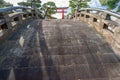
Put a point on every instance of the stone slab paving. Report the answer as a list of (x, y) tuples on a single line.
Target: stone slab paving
[(57, 50)]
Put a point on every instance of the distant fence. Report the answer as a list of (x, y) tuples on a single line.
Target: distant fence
[(12, 17), (105, 22)]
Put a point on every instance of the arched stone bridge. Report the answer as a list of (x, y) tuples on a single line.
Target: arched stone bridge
[(85, 47)]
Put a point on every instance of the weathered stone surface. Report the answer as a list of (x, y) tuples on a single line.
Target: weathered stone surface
[(105, 22), (57, 50)]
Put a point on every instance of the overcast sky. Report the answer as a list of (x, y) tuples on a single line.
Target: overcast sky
[(59, 3)]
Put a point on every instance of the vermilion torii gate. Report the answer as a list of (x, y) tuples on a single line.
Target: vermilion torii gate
[(61, 10)]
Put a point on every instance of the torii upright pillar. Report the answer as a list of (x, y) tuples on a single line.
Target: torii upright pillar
[(62, 13), (62, 10)]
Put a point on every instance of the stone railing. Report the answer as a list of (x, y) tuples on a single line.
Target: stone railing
[(12, 17), (105, 22)]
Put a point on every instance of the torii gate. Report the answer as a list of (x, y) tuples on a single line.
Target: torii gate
[(61, 10)]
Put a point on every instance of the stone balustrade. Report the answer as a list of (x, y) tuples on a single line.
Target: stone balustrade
[(13, 17), (105, 22)]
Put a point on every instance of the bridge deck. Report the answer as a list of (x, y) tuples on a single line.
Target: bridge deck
[(57, 50)]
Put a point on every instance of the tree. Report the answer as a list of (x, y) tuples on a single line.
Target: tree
[(48, 9), (118, 9), (4, 4), (110, 3), (35, 3), (77, 4), (7, 4), (103, 2), (1, 3), (32, 3), (24, 4)]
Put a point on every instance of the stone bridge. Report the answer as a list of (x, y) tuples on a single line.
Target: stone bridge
[(85, 47)]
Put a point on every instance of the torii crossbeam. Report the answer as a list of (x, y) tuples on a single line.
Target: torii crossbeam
[(61, 10)]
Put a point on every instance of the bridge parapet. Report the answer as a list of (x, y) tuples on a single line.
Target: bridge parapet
[(12, 17), (105, 22)]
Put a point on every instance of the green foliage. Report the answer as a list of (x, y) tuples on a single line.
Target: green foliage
[(118, 9), (83, 5), (4, 4), (48, 8), (34, 1), (7, 4), (75, 3), (24, 4), (103, 2), (110, 3), (72, 5), (36, 4)]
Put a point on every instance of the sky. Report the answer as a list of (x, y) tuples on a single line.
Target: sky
[(59, 3)]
